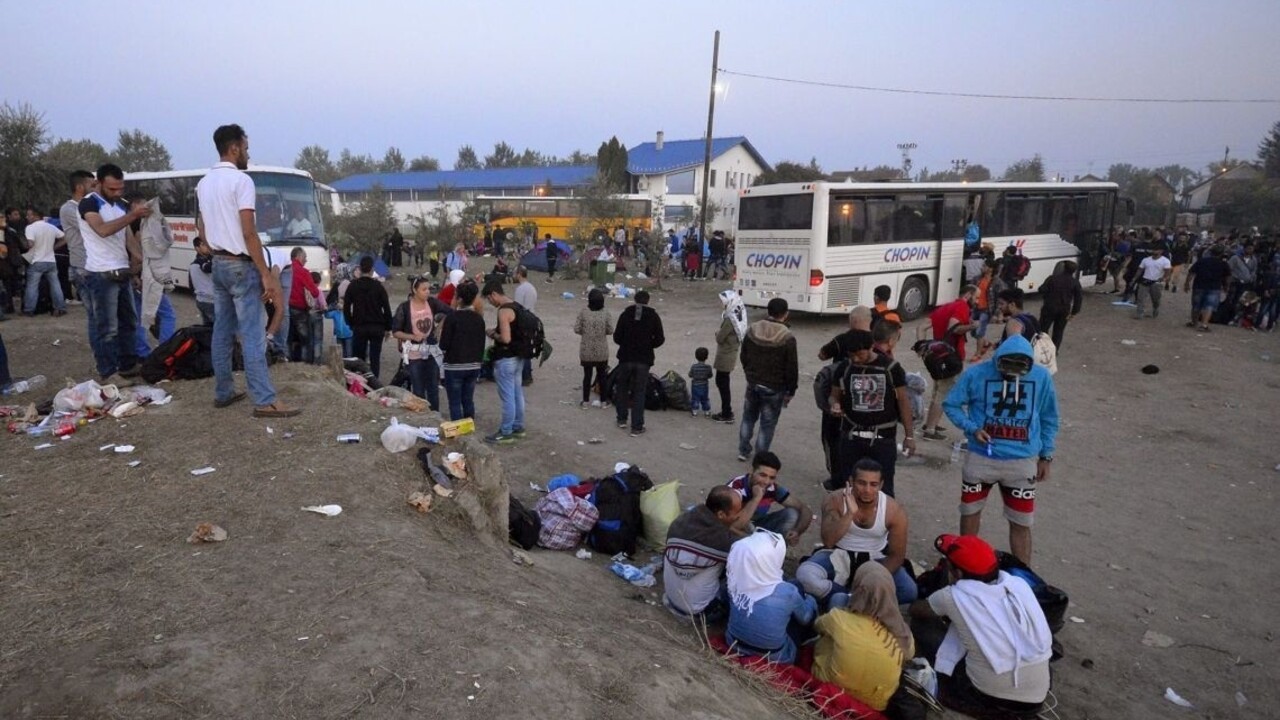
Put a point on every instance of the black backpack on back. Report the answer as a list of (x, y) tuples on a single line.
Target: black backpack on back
[(941, 358), (617, 498), (529, 335)]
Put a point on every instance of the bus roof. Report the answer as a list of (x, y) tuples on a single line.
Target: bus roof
[(912, 187), (623, 196), (200, 172)]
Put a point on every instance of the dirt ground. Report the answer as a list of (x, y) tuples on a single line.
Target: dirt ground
[(1159, 516)]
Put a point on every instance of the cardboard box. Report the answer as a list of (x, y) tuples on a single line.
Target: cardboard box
[(454, 428)]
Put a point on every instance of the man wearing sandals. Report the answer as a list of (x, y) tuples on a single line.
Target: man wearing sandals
[(1207, 282), (241, 278)]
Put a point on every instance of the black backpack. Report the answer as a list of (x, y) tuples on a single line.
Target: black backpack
[(523, 525), (528, 335), (617, 498), (654, 397), (188, 355), (940, 358)]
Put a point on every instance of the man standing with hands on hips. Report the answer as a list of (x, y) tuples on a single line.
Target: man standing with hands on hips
[(241, 279)]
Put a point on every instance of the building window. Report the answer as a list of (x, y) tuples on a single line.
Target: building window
[(680, 183), (713, 178)]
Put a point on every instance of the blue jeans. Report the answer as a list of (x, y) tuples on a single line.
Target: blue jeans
[(79, 278), (460, 385), (984, 319), (701, 397), (782, 521), (115, 321), (47, 270), (280, 341), (765, 405), (424, 381), (238, 310), (166, 323), (816, 575), (506, 372)]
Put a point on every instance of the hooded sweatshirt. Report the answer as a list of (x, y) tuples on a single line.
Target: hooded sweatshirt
[(1020, 414), (769, 356)]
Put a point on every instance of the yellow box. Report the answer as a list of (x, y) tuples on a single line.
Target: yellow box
[(454, 428)]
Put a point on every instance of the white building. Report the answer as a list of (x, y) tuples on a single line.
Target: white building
[(670, 172)]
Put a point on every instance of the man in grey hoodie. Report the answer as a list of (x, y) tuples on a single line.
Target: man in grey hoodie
[(772, 368)]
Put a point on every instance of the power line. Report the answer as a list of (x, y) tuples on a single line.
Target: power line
[(993, 96)]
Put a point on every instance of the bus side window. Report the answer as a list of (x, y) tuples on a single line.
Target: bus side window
[(880, 220), (846, 221), (992, 213)]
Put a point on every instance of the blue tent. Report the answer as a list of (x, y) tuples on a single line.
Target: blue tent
[(378, 266), (536, 259)]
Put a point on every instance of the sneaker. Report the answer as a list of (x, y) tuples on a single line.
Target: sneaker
[(637, 432), (623, 424), (693, 413), (721, 417), (934, 434), (519, 433), (742, 458), (499, 439), (584, 405)]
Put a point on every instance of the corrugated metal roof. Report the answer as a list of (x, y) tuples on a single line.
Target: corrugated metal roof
[(647, 159), (523, 178)]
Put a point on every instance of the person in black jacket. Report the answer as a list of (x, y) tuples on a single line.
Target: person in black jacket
[(638, 333), (1063, 297), (368, 312), (462, 339), (772, 368)]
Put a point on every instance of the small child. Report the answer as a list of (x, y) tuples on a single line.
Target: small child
[(700, 389)]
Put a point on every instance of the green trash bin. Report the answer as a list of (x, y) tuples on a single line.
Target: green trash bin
[(602, 272)]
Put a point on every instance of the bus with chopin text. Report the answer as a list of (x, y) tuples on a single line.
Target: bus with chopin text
[(825, 247), (287, 213)]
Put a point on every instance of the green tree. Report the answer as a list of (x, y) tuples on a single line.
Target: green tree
[(1179, 176), (976, 173), (611, 164), (503, 156), (24, 179), (363, 225), (1028, 170), (315, 160), (578, 157), (392, 161), (1269, 152), (1220, 166), (879, 173), (67, 155), (467, 159), (351, 164), (424, 163), (136, 151)]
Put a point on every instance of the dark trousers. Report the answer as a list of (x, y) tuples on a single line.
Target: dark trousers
[(1054, 322), (831, 449), (600, 370), (882, 449), (424, 381), (630, 383), (722, 386), (368, 346)]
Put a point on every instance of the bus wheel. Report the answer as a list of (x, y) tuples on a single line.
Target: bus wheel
[(915, 293)]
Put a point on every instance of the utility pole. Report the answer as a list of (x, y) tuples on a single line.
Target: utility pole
[(906, 149), (959, 166), (706, 159)]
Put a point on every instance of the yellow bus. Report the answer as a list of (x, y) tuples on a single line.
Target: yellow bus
[(554, 214)]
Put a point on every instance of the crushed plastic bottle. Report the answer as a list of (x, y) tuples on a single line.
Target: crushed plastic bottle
[(957, 449), (21, 386), (633, 574)]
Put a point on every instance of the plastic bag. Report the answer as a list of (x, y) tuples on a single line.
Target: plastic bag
[(924, 675), (85, 396), (399, 437), (659, 507)]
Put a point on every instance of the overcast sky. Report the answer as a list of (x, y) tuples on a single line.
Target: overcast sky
[(554, 76)]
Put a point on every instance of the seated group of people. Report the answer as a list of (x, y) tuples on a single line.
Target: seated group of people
[(724, 564)]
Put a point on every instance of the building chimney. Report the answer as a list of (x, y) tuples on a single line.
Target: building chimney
[(658, 144)]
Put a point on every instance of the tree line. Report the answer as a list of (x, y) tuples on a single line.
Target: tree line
[(317, 160)]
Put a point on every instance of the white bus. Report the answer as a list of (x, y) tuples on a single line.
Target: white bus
[(286, 197), (826, 247)]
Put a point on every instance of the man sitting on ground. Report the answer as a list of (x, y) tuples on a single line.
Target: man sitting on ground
[(697, 547), (760, 492), (994, 660)]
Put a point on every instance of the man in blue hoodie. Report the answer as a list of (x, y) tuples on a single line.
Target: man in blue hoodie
[(1008, 409)]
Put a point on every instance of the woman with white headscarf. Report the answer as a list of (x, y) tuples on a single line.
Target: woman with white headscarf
[(733, 327), (764, 606)]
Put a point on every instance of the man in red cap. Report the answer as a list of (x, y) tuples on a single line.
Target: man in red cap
[(994, 660)]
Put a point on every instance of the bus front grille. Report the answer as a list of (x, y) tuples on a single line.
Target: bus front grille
[(843, 292)]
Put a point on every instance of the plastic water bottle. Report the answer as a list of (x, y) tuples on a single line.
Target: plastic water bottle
[(632, 574), (22, 386), (956, 449)]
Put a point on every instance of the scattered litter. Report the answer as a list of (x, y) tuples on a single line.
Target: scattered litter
[(420, 501), (270, 431), (304, 637), (687, 446), (1113, 566), (349, 438), (456, 465), (108, 446), (567, 295), (207, 533), (124, 449), (582, 442), (632, 574), (595, 441), (441, 490), (1175, 698), (583, 554), (56, 343), (287, 435), (202, 471), (1087, 664), (1241, 700), (1150, 369), (521, 557), (537, 488), (125, 409), (330, 510), (399, 437), (42, 446), (1075, 619), (1151, 638), (1128, 342), (454, 428), (135, 463)]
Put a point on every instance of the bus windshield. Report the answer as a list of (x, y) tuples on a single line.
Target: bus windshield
[(287, 211)]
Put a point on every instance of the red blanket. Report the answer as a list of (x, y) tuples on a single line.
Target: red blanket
[(829, 699)]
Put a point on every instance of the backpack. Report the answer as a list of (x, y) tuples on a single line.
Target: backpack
[(675, 391), (940, 358), (523, 525), (654, 397), (1021, 266), (822, 384), (188, 355), (617, 498), (528, 336), (1045, 352)]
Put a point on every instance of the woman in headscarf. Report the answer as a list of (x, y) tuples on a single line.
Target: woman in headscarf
[(733, 327), (864, 648), (446, 293), (764, 608), (595, 325)]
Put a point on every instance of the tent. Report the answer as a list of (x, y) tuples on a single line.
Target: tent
[(378, 266), (536, 259)]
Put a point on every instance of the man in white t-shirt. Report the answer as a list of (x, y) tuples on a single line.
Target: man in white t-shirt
[(1153, 273), (113, 262), (242, 280), (42, 238), (298, 227)]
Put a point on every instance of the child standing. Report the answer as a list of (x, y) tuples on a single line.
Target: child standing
[(700, 389)]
